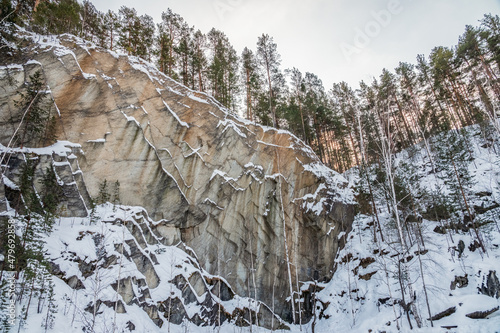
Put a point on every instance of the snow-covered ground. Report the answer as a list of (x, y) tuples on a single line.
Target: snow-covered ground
[(76, 242), (363, 296), (360, 302)]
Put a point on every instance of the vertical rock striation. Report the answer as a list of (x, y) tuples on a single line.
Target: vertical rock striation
[(254, 203)]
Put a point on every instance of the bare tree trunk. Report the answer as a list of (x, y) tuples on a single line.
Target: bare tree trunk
[(285, 240), (31, 295), (119, 276), (274, 287), (386, 146), (401, 286), (386, 271), (313, 324), (424, 285), (271, 106), (298, 296), (252, 268), (302, 120), (473, 220)]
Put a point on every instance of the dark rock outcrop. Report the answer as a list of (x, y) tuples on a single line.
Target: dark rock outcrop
[(490, 285)]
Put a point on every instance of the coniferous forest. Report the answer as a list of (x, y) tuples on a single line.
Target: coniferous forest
[(427, 107), (447, 89)]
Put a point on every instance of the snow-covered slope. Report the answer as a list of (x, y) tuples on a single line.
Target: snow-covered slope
[(165, 288), (365, 293)]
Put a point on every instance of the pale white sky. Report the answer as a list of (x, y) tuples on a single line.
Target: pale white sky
[(338, 40)]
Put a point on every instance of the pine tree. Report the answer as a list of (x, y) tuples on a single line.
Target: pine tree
[(7, 12), (110, 29), (471, 52), (5, 320), (316, 104), (297, 98), (91, 22), (49, 320), (452, 157), (167, 40), (35, 113), (251, 80), (21, 322), (116, 195), (446, 80), (198, 60), (103, 195), (410, 99), (440, 120), (144, 34), (22, 11), (51, 194), (57, 17), (345, 100), (388, 95), (490, 33), (223, 68), (270, 60), (129, 32), (183, 52)]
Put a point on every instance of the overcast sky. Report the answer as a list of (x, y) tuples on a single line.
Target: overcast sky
[(338, 40)]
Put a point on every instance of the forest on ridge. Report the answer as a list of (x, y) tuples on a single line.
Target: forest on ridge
[(449, 89)]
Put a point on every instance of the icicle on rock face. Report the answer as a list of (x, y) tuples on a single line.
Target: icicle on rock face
[(255, 204)]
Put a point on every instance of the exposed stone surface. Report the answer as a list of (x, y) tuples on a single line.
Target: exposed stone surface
[(232, 191), (3, 200), (460, 282), (490, 285), (76, 198)]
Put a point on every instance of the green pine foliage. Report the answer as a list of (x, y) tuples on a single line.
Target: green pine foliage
[(7, 12), (57, 17), (110, 26), (16, 11), (270, 60), (452, 158), (103, 195), (50, 197), (223, 68), (135, 33), (489, 32), (116, 193), (37, 126), (27, 190), (92, 27), (49, 320), (451, 88), (5, 321), (37, 211)]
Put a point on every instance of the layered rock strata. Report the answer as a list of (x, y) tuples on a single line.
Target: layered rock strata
[(254, 203)]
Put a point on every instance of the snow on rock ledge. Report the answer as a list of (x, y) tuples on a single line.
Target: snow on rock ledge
[(231, 190)]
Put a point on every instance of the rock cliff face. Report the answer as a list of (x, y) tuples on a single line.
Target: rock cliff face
[(254, 203)]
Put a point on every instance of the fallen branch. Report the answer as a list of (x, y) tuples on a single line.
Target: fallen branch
[(481, 314), (443, 314)]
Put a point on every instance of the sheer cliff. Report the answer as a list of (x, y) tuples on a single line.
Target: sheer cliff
[(252, 204)]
